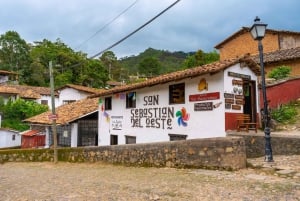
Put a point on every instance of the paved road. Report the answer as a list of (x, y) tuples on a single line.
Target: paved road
[(96, 181)]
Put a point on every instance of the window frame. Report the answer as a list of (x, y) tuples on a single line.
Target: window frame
[(180, 88), (130, 100), (177, 137), (108, 103), (128, 139), (65, 102), (44, 102)]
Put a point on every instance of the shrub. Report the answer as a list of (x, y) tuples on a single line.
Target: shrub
[(280, 72), (285, 113)]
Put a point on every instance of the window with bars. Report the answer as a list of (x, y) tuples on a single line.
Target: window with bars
[(87, 132), (176, 93), (63, 136)]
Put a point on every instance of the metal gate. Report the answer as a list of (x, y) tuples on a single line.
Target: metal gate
[(87, 133)]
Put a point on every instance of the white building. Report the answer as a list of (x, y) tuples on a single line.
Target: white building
[(9, 138), (201, 102), (70, 93), (41, 95)]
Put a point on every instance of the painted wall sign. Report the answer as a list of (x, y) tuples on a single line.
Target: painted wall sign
[(204, 97), (152, 117), (236, 107), (243, 76), (229, 100), (228, 95), (116, 122), (203, 106), (157, 117), (151, 100), (182, 117)]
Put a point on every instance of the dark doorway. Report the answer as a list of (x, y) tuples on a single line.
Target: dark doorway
[(113, 139), (249, 91)]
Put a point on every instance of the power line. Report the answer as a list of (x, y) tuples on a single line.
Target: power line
[(127, 36), (107, 24)]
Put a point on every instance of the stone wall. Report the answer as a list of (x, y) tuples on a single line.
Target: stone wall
[(281, 144), (212, 153)]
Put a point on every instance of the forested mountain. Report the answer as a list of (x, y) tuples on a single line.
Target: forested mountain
[(31, 61), (169, 61)]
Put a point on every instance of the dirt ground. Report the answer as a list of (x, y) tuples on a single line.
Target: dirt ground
[(97, 181)]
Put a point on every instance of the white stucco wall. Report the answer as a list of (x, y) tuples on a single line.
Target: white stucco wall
[(6, 138), (48, 98), (201, 124), (71, 94), (228, 87)]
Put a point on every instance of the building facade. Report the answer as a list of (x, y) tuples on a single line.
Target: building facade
[(195, 103)]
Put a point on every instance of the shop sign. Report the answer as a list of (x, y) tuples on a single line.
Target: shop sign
[(206, 106), (238, 75), (239, 97), (204, 97), (236, 107), (229, 100), (239, 102), (228, 95)]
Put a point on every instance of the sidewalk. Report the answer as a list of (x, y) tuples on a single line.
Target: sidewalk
[(283, 166)]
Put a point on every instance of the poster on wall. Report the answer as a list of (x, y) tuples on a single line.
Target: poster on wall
[(116, 122)]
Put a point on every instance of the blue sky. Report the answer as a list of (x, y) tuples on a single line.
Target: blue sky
[(188, 26)]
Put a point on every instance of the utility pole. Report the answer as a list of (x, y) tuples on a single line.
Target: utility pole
[(53, 116)]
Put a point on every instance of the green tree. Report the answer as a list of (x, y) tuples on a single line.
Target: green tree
[(211, 57), (110, 62), (14, 52), (67, 64), (94, 74), (200, 58), (16, 111), (150, 66)]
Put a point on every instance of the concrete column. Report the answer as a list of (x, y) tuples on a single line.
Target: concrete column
[(74, 134)]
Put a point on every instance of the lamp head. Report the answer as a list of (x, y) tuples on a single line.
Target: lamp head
[(258, 29)]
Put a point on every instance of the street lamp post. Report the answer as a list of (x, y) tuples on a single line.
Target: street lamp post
[(257, 31)]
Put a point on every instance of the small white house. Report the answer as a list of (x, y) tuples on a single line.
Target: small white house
[(9, 138), (41, 95), (70, 93), (8, 76), (201, 102)]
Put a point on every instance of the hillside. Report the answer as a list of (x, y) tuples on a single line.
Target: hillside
[(170, 61)]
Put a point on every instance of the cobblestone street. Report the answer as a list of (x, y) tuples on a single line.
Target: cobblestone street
[(96, 181)]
